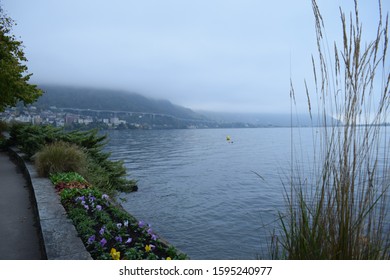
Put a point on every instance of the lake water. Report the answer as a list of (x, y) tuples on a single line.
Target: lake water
[(202, 193)]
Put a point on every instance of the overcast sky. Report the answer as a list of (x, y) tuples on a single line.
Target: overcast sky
[(219, 55)]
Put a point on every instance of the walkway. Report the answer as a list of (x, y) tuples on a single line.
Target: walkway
[(19, 225)]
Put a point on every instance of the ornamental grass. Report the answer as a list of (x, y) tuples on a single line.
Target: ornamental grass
[(341, 212), (60, 157)]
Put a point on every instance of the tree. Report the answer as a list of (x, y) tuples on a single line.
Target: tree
[(14, 86)]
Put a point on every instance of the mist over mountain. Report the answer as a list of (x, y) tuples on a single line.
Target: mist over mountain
[(115, 100), (106, 99)]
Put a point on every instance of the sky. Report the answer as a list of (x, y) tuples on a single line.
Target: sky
[(216, 55)]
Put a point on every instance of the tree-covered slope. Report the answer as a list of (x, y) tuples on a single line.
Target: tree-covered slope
[(102, 99)]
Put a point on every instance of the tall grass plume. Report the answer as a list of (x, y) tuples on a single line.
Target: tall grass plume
[(339, 210)]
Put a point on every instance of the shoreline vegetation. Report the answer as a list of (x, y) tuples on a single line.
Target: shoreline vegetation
[(341, 212), (87, 183)]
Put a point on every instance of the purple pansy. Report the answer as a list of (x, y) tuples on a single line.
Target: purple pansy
[(91, 239), (103, 242), (141, 224)]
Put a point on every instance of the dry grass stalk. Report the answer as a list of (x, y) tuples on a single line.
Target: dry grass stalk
[(342, 212)]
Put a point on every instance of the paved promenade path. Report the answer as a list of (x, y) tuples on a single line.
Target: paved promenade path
[(19, 230)]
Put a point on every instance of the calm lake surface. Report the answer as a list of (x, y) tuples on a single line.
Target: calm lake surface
[(202, 194)]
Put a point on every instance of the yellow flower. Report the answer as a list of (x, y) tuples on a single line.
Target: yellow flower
[(148, 248), (115, 254), (168, 259)]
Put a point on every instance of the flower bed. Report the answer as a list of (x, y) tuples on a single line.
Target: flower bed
[(108, 232)]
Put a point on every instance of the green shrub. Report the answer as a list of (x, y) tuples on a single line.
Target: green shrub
[(108, 175), (60, 157), (66, 177), (103, 173), (98, 177), (31, 138)]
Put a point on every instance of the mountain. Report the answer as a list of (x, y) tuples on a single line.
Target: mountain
[(113, 100)]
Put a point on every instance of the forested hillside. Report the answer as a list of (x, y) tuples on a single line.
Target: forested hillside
[(101, 99)]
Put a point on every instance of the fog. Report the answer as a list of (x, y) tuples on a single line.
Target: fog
[(220, 55)]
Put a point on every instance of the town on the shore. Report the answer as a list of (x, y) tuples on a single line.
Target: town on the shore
[(74, 118)]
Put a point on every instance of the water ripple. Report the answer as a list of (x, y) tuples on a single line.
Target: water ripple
[(200, 192)]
